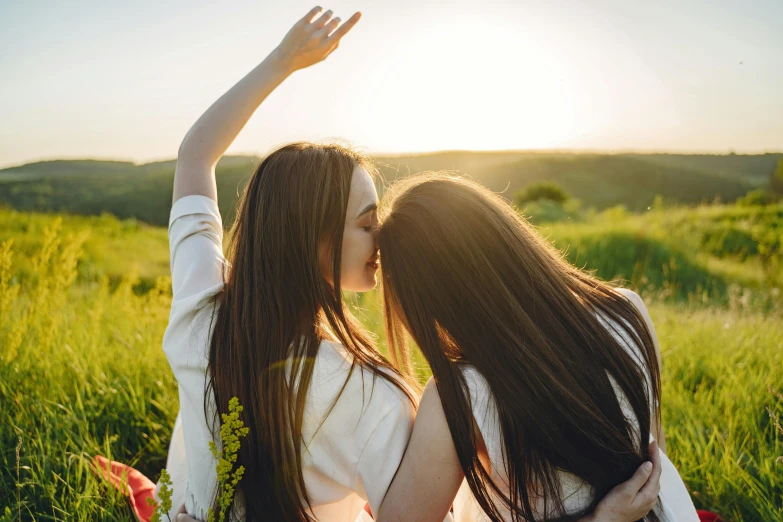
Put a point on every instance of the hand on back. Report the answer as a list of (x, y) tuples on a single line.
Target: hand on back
[(313, 38)]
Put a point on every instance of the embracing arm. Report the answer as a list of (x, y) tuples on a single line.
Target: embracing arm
[(430, 475), (308, 42)]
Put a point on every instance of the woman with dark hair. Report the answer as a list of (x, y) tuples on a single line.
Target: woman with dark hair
[(546, 381), (329, 416)]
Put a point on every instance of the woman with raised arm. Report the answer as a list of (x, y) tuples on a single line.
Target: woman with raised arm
[(329, 416)]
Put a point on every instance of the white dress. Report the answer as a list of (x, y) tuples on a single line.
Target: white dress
[(676, 502), (347, 461)]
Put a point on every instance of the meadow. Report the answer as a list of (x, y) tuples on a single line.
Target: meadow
[(84, 302)]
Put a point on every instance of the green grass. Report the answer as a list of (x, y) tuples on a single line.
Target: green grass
[(111, 247), (82, 371), (682, 251), (722, 385)]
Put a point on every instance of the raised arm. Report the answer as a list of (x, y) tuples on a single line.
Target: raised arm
[(309, 41)]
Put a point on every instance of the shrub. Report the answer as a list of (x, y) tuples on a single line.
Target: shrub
[(538, 191), (757, 197)]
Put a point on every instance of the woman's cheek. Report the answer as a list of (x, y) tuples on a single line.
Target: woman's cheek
[(354, 258)]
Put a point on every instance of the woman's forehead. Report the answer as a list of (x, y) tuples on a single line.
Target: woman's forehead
[(362, 194)]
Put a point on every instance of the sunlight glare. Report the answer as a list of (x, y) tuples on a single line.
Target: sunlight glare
[(471, 83)]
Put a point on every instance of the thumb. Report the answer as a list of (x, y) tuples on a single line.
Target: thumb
[(639, 478)]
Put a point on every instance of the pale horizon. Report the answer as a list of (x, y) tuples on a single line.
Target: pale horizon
[(125, 82)]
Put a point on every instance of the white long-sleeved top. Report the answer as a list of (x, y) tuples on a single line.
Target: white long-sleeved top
[(348, 457)]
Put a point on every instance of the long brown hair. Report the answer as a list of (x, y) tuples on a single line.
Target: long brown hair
[(473, 283), (273, 312)]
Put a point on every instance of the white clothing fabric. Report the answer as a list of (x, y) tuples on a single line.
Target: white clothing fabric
[(347, 460), (577, 494)]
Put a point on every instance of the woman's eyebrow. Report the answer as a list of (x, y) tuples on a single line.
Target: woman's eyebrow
[(368, 208)]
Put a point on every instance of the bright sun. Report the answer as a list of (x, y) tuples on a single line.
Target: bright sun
[(470, 83)]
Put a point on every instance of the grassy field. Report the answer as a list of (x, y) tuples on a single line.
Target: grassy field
[(84, 303)]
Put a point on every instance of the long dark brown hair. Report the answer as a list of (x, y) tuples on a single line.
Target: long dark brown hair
[(273, 312), (473, 283)]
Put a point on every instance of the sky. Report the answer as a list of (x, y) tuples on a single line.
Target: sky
[(126, 80)]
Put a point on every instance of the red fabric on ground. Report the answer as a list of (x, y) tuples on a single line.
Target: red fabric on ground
[(708, 516), (130, 482)]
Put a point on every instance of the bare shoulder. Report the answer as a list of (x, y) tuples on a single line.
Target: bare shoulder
[(430, 417), (432, 436), (431, 389), (430, 400)]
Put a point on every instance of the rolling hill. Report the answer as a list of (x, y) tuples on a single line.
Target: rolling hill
[(125, 189)]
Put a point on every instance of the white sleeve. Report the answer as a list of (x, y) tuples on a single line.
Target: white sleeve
[(383, 453), (196, 246), (195, 242)]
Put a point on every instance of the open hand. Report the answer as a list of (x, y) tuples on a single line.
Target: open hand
[(313, 38)]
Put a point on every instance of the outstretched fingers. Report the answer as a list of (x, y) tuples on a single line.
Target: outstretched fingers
[(308, 18), (343, 29), (321, 21), (331, 26), (313, 38)]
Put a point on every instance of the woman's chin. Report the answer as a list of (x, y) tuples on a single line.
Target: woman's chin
[(368, 282)]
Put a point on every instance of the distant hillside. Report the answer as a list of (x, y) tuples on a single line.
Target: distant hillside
[(753, 169), (126, 190), (67, 168), (90, 167), (144, 192), (598, 180)]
